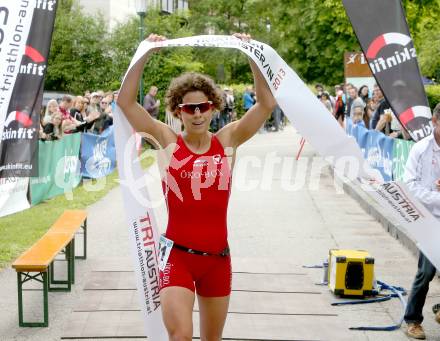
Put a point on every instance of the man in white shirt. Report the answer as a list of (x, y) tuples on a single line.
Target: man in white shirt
[(422, 175)]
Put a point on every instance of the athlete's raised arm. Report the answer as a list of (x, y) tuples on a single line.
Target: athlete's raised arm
[(240, 131), (138, 117)]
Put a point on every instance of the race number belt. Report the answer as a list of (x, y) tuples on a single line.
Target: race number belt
[(224, 253)]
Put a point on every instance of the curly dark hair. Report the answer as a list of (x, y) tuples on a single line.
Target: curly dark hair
[(192, 81)]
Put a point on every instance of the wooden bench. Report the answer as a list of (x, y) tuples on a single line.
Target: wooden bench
[(37, 263)]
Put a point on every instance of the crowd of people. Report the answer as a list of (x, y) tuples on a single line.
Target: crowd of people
[(91, 113), (362, 106)]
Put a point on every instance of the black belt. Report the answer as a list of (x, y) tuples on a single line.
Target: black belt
[(225, 252)]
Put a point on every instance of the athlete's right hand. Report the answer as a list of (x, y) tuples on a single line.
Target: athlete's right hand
[(152, 38)]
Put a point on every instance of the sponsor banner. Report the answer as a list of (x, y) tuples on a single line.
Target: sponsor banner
[(356, 65), (361, 135), (13, 195), (359, 132), (25, 36), (383, 34), (15, 22), (400, 156), (379, 150), (59, 168), (98, 154), (357, 71), (376, 147), (411, 216), (301, 106), (349, 126)]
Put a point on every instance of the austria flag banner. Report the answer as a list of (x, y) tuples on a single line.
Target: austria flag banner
[(25, 37), (383, 34), (305, 112)]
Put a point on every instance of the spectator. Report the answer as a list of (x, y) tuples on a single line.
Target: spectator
[(369, 111), (109, 98), (77, 107), (356, 101), (338, 111), (357, 115), (115, 98), (105, 106), (347, 87), (382, 105), (364, 93), (105, 118), (276, 117), (79, 114), (65, 106), (94, 102), (248, 98), (319, 90), (349, 99), (377, 95), (53, 130), (86, 101), (214, 126), (51, 108), (422, 176), (341, 88), (325, 99), (226, 113), (151, 104), (230, 99), (101, 94)]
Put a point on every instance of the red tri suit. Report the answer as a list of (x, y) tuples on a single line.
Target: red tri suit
[(197, 190)]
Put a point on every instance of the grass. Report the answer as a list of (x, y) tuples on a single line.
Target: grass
[(20, 230)]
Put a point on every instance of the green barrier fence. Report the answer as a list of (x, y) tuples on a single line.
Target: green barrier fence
[(59, 168), (400, 155)]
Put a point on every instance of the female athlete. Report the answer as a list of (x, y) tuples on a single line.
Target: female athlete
[(197, 188)]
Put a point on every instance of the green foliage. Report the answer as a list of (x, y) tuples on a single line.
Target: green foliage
[(223, 17), (433, 94), (311, 35), (423, 17), (78, 57)]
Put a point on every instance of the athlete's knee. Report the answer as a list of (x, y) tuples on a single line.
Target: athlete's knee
[(211, 337), (180, 333), (180, 336)]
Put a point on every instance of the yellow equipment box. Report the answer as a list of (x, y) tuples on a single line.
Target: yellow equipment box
[(350, 272)]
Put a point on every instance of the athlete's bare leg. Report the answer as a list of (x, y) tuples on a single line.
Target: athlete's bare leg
[(213, 312), (177, 309)]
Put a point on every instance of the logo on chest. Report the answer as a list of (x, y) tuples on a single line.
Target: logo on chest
[(205, 161)]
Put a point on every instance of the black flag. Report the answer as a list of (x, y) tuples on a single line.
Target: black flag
[(21, 106), (383, 34)]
